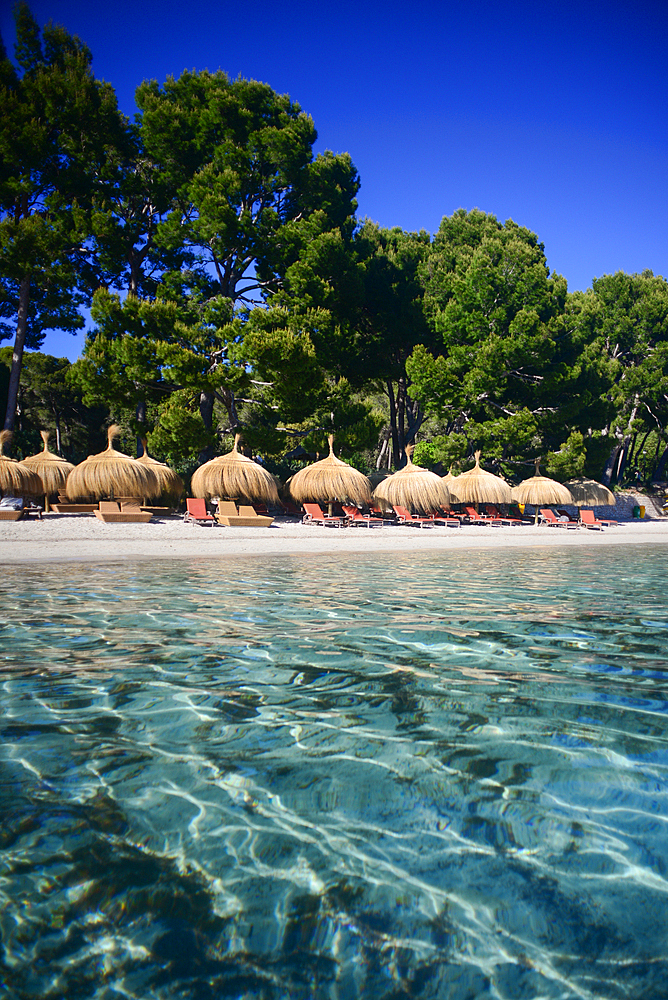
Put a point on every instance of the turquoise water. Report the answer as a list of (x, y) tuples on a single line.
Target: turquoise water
[(431, 776)]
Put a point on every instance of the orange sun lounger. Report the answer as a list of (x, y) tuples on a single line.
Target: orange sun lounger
[(314, 515), (196, 512)]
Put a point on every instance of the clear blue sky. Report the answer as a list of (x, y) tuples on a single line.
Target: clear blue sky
[(552, 114)]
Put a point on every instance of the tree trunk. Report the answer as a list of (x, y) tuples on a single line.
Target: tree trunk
[(206, 401), (401, 420), (382, 460), (59, 442), (393, 423), (140, 414), (610, 465), (631, 451), (660, 470), (639, 450), (621, 465), (17, 356), (415, 417)]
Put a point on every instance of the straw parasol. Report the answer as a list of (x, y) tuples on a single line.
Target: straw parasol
[(233, 476), (449, 481), (540, 490), (109, 474), (168, 483), (414, 487), (589, 493), (17, 479), (51, 469), (330, 479), (478, 486)]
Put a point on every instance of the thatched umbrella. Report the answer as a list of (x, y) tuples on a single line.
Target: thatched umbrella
[(17, 479), (233, 477), (168, 483), (414, 487), (540, 490), (109, 474), (330, 480), (478, 486), (51, 469), (449, 481), (589, 493)]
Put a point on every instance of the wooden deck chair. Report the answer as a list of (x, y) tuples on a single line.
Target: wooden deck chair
[(246, 517), (110, 512), (196, 512), (313, 515), (254, 519)]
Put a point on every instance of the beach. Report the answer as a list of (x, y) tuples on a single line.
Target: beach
[(60, 538)]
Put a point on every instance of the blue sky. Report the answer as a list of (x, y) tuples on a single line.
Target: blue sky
[(552, 114)]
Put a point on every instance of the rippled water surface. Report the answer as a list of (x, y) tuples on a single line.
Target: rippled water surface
[(438, 776)]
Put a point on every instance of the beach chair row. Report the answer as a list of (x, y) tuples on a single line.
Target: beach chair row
[(353, 516)]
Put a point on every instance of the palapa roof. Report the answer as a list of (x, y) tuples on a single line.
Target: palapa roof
[(168, 482), (587, 492), (479, 486), (449, 481), (541, 490), (330, 479), (17, 479), (233, 476), (110, 473), (414, 487), (51, 468)]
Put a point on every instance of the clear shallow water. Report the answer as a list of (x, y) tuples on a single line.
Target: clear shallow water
[(438, 776)]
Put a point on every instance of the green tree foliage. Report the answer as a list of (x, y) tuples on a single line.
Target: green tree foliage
[(47, 401), (501, 358), (59, 133), (249, 194), (621, 392), (240, 202), (391, 323)]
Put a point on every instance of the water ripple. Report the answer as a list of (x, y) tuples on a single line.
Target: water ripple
[(408, 777)]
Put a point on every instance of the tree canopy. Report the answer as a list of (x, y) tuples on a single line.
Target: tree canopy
[(59, 135), (231, 287)]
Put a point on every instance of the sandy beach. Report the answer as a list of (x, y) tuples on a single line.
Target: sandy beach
[(83, 538)]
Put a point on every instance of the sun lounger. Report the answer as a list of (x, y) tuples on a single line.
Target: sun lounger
[(196, 512), (313, 515), (16, 508), (498, 518), (448, 518), (404, 516), (475, 518), (8, 514), (111, 513), (589, 519), (229, 515), (74, 508), (379, 511), (356, 517), (290, 509), (245, 517), (548, 517)]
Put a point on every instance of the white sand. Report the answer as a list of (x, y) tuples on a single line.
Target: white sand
[(83, 538)]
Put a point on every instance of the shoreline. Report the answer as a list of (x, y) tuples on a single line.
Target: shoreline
[(82, 539)]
